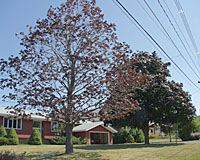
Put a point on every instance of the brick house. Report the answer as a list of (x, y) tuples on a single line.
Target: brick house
[(96, 132)]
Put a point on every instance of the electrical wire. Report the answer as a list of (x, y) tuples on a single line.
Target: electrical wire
[(171, 39), (178, 35), (157, 44), (186, 24), (179, 28)]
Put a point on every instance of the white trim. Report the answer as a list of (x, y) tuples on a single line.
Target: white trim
[(100, 132), (8, 121)]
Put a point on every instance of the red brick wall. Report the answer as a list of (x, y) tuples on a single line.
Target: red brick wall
[(1, 121), (46, 130), (26, 130)]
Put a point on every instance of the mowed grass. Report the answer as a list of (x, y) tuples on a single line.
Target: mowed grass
[(180, 151)]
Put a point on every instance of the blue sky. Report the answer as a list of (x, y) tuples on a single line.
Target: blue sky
[(15, 15)]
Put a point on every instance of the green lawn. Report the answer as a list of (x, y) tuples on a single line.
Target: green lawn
[(190, 151)]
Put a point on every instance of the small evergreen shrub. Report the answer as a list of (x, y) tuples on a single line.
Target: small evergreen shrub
[(76, 140), (8, 155), (12, 137), (3, 141), (139, 136), (35, 138), (58, 141), (84, 141), (3, 132), (130, 139), (62, 140)]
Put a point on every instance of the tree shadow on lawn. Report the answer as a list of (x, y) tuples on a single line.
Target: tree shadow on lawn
[(125, 146), (58, 155)]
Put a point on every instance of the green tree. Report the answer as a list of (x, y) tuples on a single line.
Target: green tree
[(160, 101), (35, 138), (3, 132), (12, 137)]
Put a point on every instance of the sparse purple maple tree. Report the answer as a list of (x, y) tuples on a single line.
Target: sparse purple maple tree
[(64, 65)]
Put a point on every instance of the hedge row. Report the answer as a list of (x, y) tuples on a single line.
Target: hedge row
[(12, 139), (8, 139), (62, 140)]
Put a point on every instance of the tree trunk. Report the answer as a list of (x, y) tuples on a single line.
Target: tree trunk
[(146, 133), (69, 144), (170, 135)]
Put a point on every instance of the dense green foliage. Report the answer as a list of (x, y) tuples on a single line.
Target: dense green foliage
[(3, 132), (196, 124), (161, 101), (12, 137), (125, 135), (3, 141), (130, 139), (62, 140), (35, 138)]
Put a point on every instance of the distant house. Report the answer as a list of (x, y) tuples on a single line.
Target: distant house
[(154, 129), (96, 132)]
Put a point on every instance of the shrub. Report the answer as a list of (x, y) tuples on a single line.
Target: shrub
[(139, 136), (84, 141), (58, 141), (3, 141), (130, 139), (35, 138), (12, 137), (3, 132), (76, 140), (62, 140), (124, 132), (121, 135), (8, 155), (155, 136)]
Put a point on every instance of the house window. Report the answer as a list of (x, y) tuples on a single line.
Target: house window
[(36, 124), (152, 131), (55, 126), (12, 123)]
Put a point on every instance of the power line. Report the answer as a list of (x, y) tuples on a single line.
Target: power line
[(178, 35), (152, 19), (136, 26), (146, 32), (186, 24), (179, 28), (171, 39)]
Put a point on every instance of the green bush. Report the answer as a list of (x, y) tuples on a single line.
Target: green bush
[(58, 141), (124, 132), (130, 139), (3, 132), (35, 138), (8, 155), (3, 141), (76, 140), (84, 141), (12, 137), (155, 136), (62, 140), (139, 136)]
